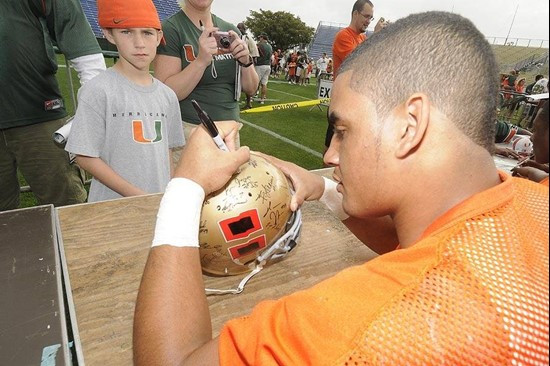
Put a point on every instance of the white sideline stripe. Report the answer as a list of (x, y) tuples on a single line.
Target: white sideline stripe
[(282, 138)]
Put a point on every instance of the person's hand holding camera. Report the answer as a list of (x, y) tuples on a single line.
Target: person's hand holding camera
[(239, 49), (207, 46)]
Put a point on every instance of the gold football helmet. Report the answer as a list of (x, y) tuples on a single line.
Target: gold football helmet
[(248, 221)]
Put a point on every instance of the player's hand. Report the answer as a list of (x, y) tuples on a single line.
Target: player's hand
[(205, 164), (207, 46), (534, 164), (308, 186), (534, 174), (239, 48)]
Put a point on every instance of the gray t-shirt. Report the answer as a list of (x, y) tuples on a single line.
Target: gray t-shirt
[(130, 127)]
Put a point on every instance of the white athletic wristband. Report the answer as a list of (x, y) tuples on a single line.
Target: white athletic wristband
[(179, 214), (333, 199)]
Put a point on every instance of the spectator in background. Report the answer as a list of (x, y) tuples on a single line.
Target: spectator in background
[(513, 103), (292, 64), (127, 151), (511, 79), (31, 101), (537, 169), (322, 64), (263, 65), (508, 84), (533, 105), (541, 86), (529, 88), (253, 49), (282, 64), (309, 71), (301, 70), (329, 67), (349, 38), (195, 68)]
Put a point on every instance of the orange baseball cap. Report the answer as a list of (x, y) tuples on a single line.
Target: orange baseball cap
[(127, 14)]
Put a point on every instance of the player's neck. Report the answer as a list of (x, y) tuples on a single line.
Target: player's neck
[(464, 178)]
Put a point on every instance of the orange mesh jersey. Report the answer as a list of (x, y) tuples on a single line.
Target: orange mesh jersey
[(472, 291), (346, 40), (544, 181)]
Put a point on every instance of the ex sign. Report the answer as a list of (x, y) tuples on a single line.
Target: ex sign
[(323, 91)]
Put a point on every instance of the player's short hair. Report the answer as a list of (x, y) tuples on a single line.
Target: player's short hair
[(440, 54), (359, 4)]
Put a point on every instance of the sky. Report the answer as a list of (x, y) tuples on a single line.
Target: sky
[(492, 17)]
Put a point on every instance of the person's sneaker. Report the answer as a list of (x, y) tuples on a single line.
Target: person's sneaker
[(261, 101)]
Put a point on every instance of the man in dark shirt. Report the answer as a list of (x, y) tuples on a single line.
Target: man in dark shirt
[(263, 64)]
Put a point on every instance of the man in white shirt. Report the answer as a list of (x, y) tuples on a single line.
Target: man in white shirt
[(322, 63)]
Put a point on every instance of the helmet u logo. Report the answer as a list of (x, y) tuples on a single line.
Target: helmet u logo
[(137, 129)]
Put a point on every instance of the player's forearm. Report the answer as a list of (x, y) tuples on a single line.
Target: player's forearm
[(107, 176), (172, 320), (168, 329), (249, 79), (171, 160)]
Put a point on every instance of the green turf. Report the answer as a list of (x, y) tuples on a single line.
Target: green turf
[(305, 126)]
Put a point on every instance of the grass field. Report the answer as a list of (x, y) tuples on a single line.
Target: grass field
[(269, 132)]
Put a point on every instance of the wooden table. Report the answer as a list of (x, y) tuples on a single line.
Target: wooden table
[(106, 246), (32, 313)]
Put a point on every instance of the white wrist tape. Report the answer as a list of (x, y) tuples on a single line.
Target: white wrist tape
[(333, 199), (179, 214)]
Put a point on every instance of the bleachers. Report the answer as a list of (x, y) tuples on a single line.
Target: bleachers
[(165, 8), (323, 38)]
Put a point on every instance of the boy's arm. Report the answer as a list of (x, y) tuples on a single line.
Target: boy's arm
[(106, 175), (170, 159)]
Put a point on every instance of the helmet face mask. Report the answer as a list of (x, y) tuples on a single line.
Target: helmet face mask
[(245, 219)]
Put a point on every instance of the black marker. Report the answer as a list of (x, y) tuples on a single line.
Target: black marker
[(210, 126)]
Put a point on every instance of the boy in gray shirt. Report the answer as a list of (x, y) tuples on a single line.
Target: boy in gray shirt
[(127, 121)]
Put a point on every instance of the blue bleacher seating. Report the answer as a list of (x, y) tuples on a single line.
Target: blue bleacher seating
[(165, 8), (323, 39)]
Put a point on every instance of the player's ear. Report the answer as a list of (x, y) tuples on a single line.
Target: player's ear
[(159, 37), (415, 124), (108, 33)]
